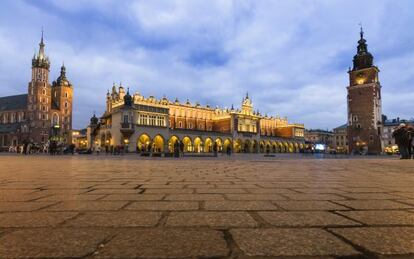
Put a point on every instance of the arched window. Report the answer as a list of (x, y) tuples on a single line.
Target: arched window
[(66, 105), (55, 119), (66, 94)]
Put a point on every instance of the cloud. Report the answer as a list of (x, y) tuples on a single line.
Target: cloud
[(291, 56)]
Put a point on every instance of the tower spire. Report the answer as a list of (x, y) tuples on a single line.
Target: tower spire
[(41, 47)]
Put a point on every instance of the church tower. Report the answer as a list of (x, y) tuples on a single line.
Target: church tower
[(62, 95), (364, 103), (39, 97)]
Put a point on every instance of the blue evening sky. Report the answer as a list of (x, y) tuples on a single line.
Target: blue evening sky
[(292, 56)]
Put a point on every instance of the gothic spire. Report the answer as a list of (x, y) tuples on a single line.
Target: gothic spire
[(41, 47), (41, 60)]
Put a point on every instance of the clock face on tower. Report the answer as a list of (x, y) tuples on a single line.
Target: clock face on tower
[(360, 78)]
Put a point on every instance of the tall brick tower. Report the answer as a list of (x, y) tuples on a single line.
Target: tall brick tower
[(62, 95), (364, 103), (39, 97)]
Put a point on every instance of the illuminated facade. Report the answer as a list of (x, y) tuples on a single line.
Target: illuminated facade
[(149, 124), (44, 113)]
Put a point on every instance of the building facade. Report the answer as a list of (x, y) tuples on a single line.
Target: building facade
[(320, 139), (44, 113), (340, 141), (149, 124), (364, 103)]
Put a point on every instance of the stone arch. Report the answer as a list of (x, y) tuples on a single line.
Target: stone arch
[(268, 146), (227, 144), (219, 143), (171, 143), (144, 143), (296, 145), (291, 148), (158, 144), (188, 144), (247, 145), (55, 119), (208, 145), (238, 146), (254, 147), (274, 146), (262, 147), (198, 145)]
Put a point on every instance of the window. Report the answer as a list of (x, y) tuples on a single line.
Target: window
[(66, 95), (126, 120), (44, 92), (55, 119), (66, 105), (180, 124)]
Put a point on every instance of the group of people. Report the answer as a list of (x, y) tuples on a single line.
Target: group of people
[(178, 149), (50, 147), (404, 138)]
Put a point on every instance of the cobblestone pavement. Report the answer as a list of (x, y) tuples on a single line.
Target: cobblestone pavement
[(245, 207)]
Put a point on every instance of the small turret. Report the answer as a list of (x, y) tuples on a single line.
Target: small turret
[(128, 99), (94, 120)]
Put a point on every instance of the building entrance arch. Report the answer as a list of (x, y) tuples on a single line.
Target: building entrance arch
[(144, 143), (158, 144)]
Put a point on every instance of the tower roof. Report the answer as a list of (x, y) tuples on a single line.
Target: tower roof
[(40, 59), (62, 80), (363, 59)]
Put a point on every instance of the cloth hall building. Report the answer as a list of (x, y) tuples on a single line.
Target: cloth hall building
[(150, 124)]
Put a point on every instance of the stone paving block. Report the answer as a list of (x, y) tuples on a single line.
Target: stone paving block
[(34, 219), (169, 191), (217, 190), (163, 205), (161, 186), (309, 205), (51, 243), (305, 219), (290, 242), (374, 204), (73, 197), (87, 205), (381, 240), (211, 219), (255, 197), (194, 197), (318, 190), (409, 195), (314, 197), (239, 205), (270, 190), (371, 196), (235, 186), (6, 206), (116, 219), (133, 197), (165, 243), (381, 217), (113, 191), (363, 189), (12, 195)]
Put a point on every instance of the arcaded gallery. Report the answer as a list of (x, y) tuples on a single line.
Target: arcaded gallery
[(140, 124)]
